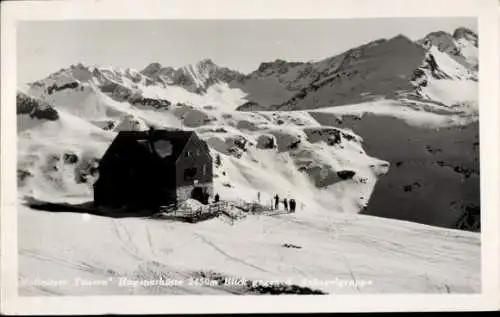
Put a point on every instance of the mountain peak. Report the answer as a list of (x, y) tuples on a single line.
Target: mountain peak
[(78, 66), (400, 37), (463, 30), (444, 41), (206, 65), (151, 68), (467, 34), (205, 62), (461, 46), (439, 33), (278, 65)]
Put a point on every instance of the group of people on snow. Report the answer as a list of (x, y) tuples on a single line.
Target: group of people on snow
[(289, 205)]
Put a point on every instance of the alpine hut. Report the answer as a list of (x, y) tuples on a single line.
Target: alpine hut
[(150, 169)]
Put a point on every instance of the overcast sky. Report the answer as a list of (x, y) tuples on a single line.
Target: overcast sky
[(47, 46)]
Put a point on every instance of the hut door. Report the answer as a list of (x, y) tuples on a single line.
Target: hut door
[(198, 194)]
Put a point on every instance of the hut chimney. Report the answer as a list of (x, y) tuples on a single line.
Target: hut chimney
[(151, 132), (150, 137)]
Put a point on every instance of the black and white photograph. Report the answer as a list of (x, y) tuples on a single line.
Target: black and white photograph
[(283, 156)]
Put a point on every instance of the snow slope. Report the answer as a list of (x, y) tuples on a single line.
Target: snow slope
[(51, 155), (336, 254), (245, 169), (414, 113)]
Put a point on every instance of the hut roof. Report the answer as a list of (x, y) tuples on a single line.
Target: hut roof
[(166, 144)]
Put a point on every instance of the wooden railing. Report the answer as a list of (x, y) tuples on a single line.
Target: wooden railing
[(227, 208)]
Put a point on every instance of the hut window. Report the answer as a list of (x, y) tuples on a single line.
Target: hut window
[(189, 173), (164, 148), (188, 154), (204, 169)]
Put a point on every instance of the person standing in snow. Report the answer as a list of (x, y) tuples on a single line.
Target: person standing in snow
[(276, 201), (285, 204), (216, 198), (292, 205), (258, 197)]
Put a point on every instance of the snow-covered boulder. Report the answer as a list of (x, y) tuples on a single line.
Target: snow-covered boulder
[(190, 205), (266, 141), (195, 118), (330, 136), (286, 138), (247, 125), (86, 171), (131, 123), (238, 141)]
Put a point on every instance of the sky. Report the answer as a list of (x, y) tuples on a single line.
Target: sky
[(44, 47)]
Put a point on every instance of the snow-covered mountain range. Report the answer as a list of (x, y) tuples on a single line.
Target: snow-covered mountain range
[(434, 83), (326, 133)]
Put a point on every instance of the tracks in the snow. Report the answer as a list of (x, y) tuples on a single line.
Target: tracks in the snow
[(205, 240), (125, 238)]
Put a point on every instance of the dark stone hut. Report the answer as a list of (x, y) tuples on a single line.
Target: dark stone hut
[(150, 169)]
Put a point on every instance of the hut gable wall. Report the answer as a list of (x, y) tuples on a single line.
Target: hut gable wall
[(194, 170)]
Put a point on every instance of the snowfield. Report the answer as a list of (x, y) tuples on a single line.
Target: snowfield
[(432, 116), (338, 253)]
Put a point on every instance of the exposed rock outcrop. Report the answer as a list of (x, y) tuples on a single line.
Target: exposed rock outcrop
[(35, 108)]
